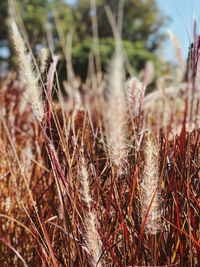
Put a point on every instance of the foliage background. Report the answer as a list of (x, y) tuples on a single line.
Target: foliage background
[(141, 32)]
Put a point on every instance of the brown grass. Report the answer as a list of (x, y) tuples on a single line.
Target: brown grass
[(65, 200)]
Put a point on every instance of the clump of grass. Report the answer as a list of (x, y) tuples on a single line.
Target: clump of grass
[(47, 220)]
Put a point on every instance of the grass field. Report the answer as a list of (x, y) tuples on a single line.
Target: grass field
[(107, 176)]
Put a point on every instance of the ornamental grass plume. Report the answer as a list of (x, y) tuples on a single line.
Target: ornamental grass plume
[(117, 110), (29, 78), (181, 65), (43, 59), (92, 238), (150, 198), (135, 94)]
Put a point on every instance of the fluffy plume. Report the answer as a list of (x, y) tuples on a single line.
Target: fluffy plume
[(135, 93), (32, 92), (92, 237), (149, 187), (43, 59), (181, 65), (197, 76), (116, 114), (148, 73)]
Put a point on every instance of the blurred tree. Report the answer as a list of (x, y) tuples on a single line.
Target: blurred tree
[(142, 20), (4, 50), (34, 14), (3, 16), (140, 32), (34, 18)]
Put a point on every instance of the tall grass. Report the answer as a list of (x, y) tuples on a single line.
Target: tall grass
[(62, 202)]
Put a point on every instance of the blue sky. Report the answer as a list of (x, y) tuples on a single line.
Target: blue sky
[(182, 13)]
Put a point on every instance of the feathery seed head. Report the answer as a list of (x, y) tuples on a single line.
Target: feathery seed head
[(181, 64), (92, 237), (148, 188), (116, 115), (43, 59), (32, 92), (135, 93)]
